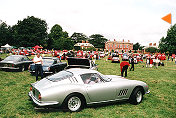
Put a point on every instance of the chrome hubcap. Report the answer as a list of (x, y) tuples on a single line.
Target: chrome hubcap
[(139, 96), (74, 103)]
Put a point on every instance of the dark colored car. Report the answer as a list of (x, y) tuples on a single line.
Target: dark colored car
[(50, 65), (15, 62), (75, 62)]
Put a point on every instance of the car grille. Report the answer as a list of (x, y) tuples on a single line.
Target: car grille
[(123, 92)]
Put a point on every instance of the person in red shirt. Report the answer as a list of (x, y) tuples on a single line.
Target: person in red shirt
[(124, 66)]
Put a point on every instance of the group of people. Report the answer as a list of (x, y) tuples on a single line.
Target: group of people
[(152, 61)]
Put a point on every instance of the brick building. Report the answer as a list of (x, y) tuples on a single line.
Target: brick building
[(118, 46)]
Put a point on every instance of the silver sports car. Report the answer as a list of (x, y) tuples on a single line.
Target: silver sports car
[(75, 88)]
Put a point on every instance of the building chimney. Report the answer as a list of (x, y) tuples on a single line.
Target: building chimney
[(128, 40), (123, 40), (154, 44), (114, 40), (150, 44)]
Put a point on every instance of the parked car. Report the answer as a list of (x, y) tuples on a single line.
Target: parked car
[(15, 62), (125, 57), (115, 59), (102, 54), (109, 57), (50, 65), (75, 62), (73, 89)]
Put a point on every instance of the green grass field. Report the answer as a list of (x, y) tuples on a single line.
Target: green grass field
[(160, 103)]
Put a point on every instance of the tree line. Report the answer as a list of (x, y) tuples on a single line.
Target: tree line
[(32, 31)]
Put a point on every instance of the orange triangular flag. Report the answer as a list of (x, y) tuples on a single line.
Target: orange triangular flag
[(167, 18)]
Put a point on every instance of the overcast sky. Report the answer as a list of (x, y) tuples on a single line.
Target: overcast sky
[(134, 20)]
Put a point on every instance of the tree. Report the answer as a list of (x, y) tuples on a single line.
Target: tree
[(151, 49), (58, 39), (98, 40), (29, 32), (136, 46), (78, 37), (63, 44), (5, 34), (168, 44)]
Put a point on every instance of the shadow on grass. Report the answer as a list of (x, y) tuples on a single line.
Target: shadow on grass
[(59, 109)]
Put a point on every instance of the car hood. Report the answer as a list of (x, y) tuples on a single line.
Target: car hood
[(115, 78), (8, 62)]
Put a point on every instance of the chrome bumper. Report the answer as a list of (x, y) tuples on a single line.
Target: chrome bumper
[(43, 72), (12, 68), (41, 103), (147, 92)]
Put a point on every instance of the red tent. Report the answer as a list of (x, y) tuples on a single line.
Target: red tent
[(37, 47)]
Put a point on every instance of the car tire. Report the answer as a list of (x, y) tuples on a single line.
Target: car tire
[(22, 68), (55, 71), (73, 103), (136, 96)]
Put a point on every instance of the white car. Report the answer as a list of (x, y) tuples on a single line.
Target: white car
[(75, 88)]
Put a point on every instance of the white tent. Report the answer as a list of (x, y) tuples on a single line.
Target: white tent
[(6, 46)]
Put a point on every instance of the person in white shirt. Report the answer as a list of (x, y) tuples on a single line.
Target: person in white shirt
[(38, 65)]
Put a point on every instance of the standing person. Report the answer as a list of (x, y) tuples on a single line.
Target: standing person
[(157, 62), (175, 59), (132, 63), (151, 62), (38, 65), (124, 66), (168, 57)]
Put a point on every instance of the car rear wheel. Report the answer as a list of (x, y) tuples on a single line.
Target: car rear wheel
[(136, 96), (73, 103), (22, 68)]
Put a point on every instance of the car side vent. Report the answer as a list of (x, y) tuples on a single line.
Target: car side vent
[(123, 92)]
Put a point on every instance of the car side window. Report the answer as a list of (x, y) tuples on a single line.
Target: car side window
[(22, 59), (91, 78)]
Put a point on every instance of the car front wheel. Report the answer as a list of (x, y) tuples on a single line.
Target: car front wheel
[(73, 103), (136, 96)]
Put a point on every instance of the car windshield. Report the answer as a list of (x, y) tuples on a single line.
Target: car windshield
[(60, 76), (12, 58), (106, 79)]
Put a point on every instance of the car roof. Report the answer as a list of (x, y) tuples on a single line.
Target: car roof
[(50, 58), (18, 55), (80, 71)]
